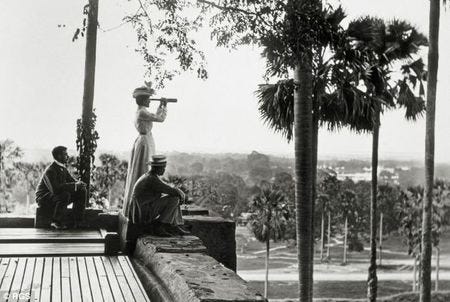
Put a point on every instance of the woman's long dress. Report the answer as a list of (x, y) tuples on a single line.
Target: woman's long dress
[(143, 149)]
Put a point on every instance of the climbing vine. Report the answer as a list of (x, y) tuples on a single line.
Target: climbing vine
[(87, 138)]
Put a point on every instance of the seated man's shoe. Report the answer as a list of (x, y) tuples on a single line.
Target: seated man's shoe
[(179, 230), (57, 226), (80, 225), (160, 230)]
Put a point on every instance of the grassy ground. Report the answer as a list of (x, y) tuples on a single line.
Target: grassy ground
[(251, 256), (337, 290), (251, 253)]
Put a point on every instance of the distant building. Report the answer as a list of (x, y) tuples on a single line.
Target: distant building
[(243, 218), (388, 175), (360, 176)]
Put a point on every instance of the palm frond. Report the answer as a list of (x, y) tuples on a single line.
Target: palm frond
[(270, 214), (347, 107), (276, 106)]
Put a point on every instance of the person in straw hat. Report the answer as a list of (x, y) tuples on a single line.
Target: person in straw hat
[(144, 145), (156, 203)]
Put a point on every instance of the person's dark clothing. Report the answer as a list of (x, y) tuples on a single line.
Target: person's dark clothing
[(152, 200), (57, 189)]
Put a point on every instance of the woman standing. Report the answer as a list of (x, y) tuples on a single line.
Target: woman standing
[(144, 145)]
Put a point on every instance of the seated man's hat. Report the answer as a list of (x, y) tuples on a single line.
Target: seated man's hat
[(158, 160), (143, 90)]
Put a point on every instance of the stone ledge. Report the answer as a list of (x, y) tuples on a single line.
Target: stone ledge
[(181, 244), (16, 221), (44, 216), (108, 221), (190, 275), (218, 235), (208, 219), (193, 209), (154, 286)]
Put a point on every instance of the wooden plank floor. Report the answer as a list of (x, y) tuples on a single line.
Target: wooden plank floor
[(90, 278), (51, 249), (16, 242), (32, 235)]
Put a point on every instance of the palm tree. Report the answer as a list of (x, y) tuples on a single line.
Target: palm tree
[(346, 105), (384, 45), (270, 214), (392, 43), (347, 199), (433, 64), (328, 187)]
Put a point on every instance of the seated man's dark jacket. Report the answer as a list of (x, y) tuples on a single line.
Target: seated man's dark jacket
[(151, 187), (56, 180)]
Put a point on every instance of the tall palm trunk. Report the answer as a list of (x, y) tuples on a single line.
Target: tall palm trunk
[(433, 62), (372, 278), (438, 255), (322, 235), (344, 261), (88, 93), (266, 280), (315, 142), (329, 236), (303, 172), (381, 239), (414, 287)]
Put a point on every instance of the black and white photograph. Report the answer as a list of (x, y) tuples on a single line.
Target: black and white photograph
[(224, 150)]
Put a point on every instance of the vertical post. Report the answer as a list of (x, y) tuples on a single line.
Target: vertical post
[(88, 94), (414, 287), (433, 65), (329, 236), (322, 235), (381, 237), (345, 240), (27, 210), (372, 280), (266, 279), (438, 254)]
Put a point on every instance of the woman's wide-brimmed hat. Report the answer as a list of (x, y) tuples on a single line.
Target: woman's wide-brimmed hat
[(143, 90), (158, 161)]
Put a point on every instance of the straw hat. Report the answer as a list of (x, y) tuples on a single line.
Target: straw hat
[(158, 161), (143, 90)]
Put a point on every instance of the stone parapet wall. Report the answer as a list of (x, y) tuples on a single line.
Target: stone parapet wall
[(185, 273), (44, 217), (218, 235)]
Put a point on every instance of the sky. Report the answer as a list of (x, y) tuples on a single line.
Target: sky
[(41, 87)]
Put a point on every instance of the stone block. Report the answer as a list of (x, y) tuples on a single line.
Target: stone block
[(195, 276), (107, 221), (154, 286), (218, 235), (44, 217), (112, 244), (128, 233), (193, 209), (16, 221), (179, 244)]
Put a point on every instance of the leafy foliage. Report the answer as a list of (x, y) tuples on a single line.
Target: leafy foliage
[(86, 142), (105, 177), (411, 215), (9, 154), (270, 214), (365, 53), (166, 37), (80, 31)]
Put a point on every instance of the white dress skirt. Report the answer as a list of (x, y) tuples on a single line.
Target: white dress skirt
[(143, 149)]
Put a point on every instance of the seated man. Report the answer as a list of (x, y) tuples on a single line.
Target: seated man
[(57, 189), (155, 203)]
